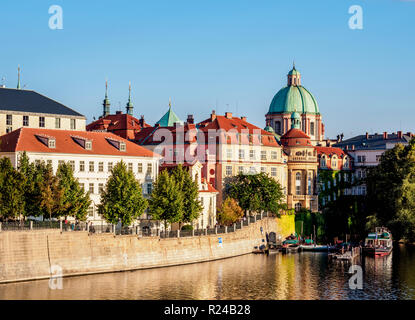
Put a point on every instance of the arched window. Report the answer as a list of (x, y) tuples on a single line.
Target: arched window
[(323, 162), (297, 207), (298, 183), (309, 183), (346, 163), (278, 127), (334, 162)]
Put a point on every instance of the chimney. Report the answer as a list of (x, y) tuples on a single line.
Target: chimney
[(213, 115), (141, 121), (409, 134), (228, 115), (367, 135), (243, 118), (353, 147), (118, 112), (347, 147), (190, 119), (399, 134), (385, 135)]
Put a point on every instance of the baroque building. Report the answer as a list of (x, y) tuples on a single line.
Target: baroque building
[(295, 98)]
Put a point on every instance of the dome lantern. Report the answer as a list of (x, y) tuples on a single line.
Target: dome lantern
[(294, 77)]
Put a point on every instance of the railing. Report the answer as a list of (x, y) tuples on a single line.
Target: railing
[(100, 227)]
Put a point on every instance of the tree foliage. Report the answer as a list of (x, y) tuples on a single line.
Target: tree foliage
[(122, 198), (391, 191), (257, 192), (11, 191), (230, 212), (190, 190), (167, 200)]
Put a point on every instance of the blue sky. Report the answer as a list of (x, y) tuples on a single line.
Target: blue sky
[(229, 55)]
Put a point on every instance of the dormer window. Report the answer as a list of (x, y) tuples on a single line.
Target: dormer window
[(117, 144), (52, 143), (88, 145), (122, 146)]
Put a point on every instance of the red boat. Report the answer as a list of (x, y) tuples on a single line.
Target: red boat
[(379, 243)]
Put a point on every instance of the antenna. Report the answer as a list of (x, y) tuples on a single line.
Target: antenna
[(3, 82)]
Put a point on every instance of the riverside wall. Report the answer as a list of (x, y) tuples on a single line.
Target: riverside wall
[(31, 255)]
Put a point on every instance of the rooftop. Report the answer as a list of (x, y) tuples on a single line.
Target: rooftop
[(374, 141)]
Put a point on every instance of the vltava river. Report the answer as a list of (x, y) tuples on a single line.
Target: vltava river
[(277, 276)]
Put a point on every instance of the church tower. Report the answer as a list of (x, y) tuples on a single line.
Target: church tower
[(129, 107), (106, 103)]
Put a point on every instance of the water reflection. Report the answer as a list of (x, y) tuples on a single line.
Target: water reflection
[(293, 276)]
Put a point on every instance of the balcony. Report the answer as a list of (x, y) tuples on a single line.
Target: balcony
[(303, 158)]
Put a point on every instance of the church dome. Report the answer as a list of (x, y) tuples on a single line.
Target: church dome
[(294, 97), (269, 129)]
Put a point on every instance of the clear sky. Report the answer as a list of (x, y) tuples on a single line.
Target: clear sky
[(228, 55)]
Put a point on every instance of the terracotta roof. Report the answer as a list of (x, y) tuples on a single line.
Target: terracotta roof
[(27, 139), (330, 151), (122, 124), (146, 135), (238, 125), (295, 137)]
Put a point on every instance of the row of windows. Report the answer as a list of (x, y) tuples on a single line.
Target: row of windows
[(252, 154), (147, 188), (9, 122), (277, 128), (250, 170), (323, 162), (91, 166)]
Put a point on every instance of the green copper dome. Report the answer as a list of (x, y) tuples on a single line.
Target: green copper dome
[(293, 98), (269, 129), (169, 119)]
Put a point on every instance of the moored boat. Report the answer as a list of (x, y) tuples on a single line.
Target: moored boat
[(314, 248), (378, 243)]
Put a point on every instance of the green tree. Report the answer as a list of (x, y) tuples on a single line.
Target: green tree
[(75, 202), (11, 191), (230, 212), (166, 203), (122, 198), (190, 190), (51, 193), (257, 192)]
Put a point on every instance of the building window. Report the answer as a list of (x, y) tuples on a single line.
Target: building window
[(25, 121), (91, 166), (149, 168), (57, 123), (49, 163), (139, 167), (109, 166), (263, 169), (309, 183), (273, 172), (9, 120), (240, 170), (274, 155), (91, 211), (73, 124), (72, 165), (122, 146), (81, 166), (228, 170), (252, 170), (297, 206), (229, 154), (88, 145), (100, 166), (241, 154), (60, 162), (334, 162), (130, 167), (298, 183), (100, 188), (41, 122), (278, 127), (346, 163), (91, 188), (252, 154), (82, 185), (378, 157), (149, 188), (52, 143), (9, 129), (312, 128), (323, 162), (263, 155)]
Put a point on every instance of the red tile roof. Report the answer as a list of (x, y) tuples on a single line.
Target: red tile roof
[(210, 187), (121, 124), (24, 139), (295, 137), (330, 150)]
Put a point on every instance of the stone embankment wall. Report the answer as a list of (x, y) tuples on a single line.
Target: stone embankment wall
[(30, 255)]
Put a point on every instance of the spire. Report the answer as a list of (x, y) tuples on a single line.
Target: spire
[(18, 77), (169, 103), (294, 77), (129, 103), (106, 103), (294, 65)]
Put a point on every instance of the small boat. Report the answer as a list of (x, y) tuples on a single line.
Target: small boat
[(314, 247), (290, 248), (378, 243), (260, 250)]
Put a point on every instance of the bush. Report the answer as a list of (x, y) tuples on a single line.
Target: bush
[(187, 227)]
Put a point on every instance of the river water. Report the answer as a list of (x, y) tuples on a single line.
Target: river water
[(294, 276)]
